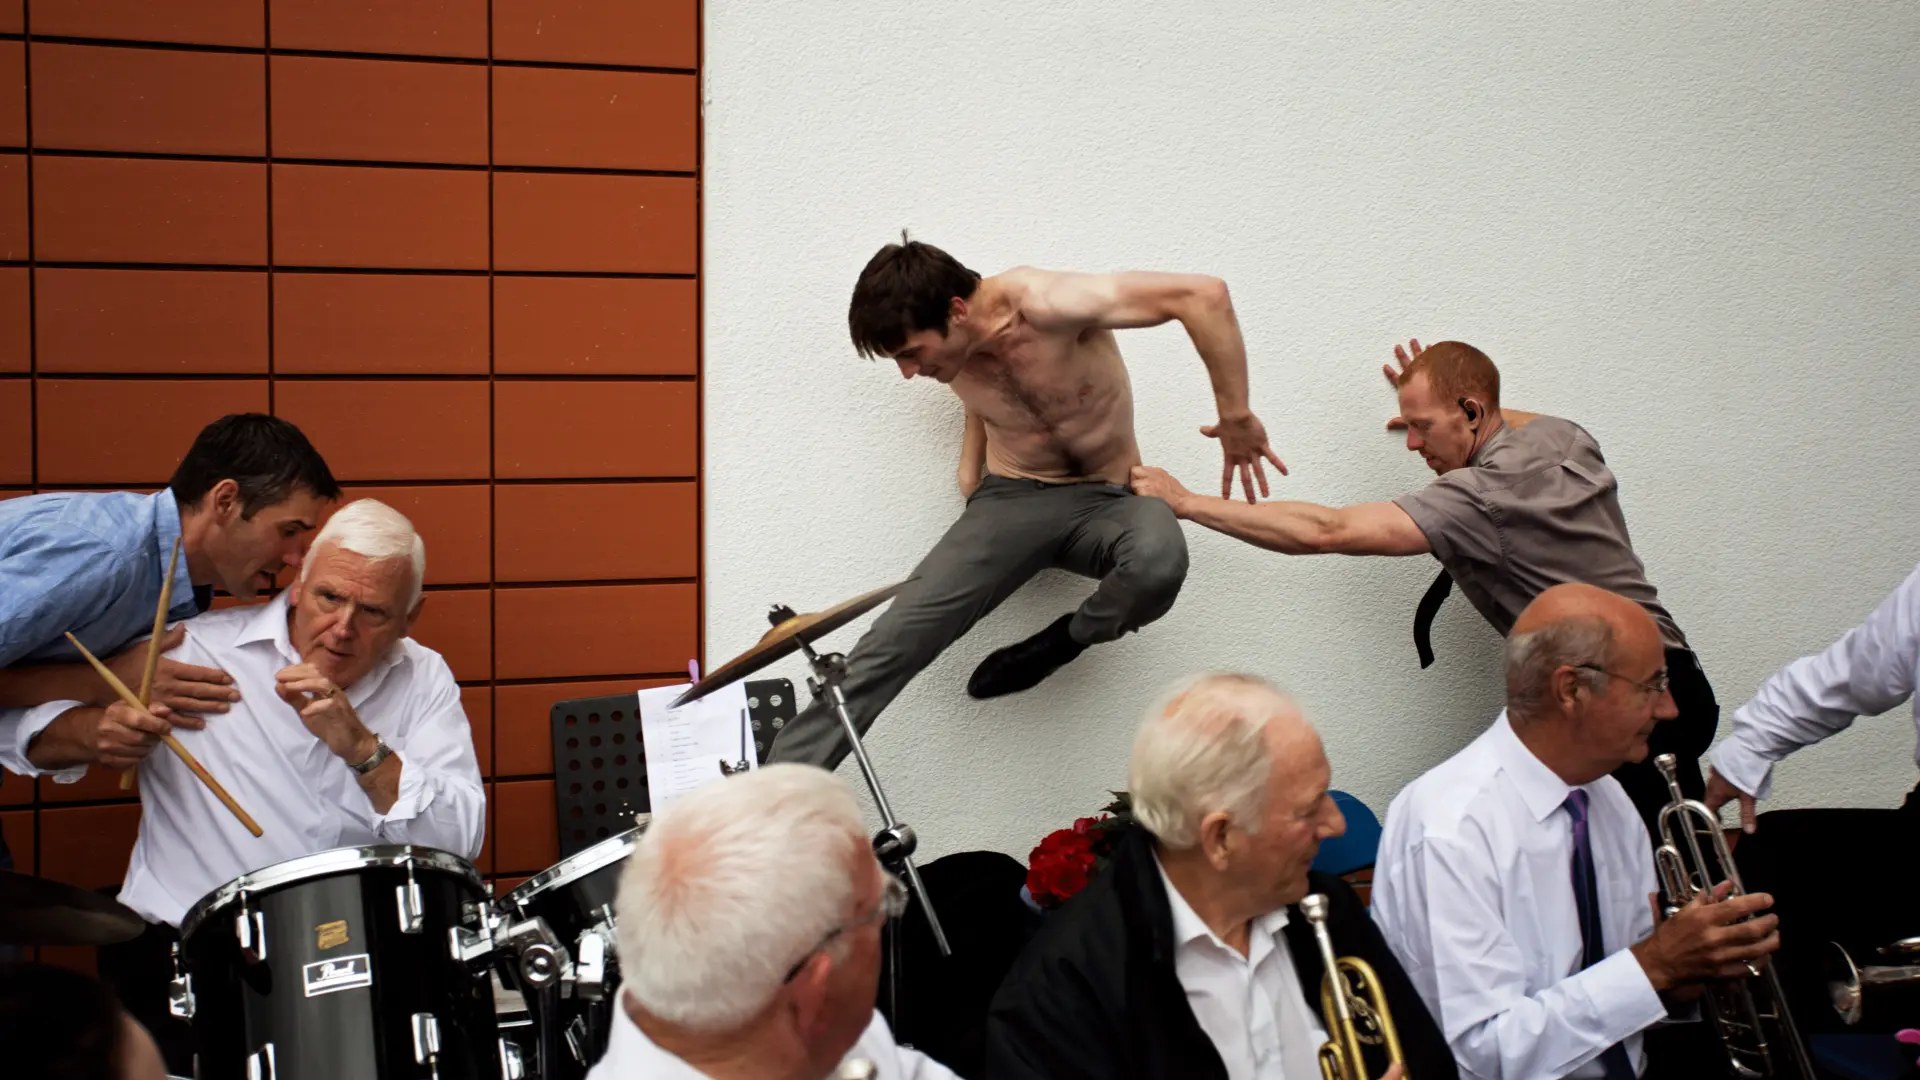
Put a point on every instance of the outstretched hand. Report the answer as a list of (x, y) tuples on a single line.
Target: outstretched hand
[(1243, 445), (1401, 358)]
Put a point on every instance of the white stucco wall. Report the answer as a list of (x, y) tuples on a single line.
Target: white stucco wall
[(1689, 227)]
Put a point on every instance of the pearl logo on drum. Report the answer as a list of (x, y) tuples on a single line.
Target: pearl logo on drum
[(333, 976)]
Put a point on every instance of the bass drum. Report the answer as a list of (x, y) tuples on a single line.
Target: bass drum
[(559, 953), (343, 963)]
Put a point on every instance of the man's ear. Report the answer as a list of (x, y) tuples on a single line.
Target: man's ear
[(957, 310), (1566, 688), (1216, 838), (807, 996), (414, 615), (224, 500)]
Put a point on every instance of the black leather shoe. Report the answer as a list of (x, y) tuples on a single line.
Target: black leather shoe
[(1024, 664)]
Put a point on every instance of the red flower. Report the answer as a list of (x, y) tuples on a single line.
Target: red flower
[(1061, 865)]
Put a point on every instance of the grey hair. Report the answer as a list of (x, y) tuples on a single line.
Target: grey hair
[(1203, 748), (377, 532), (730, 885), (1533, 657)]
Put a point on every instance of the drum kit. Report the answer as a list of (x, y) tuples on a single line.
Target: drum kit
[(396, 961)]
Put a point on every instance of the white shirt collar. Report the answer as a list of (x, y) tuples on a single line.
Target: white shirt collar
[(1189, 927), (1539, 786), (270, 623)]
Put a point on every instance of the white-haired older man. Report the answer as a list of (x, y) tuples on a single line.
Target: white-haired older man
[(345, 732), (1187, 958), (752, 908)]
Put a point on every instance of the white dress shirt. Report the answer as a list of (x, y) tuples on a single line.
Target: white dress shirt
[(632, 1056), (304, 798), (1870, 670), (1251, 1006), (1474, 893)]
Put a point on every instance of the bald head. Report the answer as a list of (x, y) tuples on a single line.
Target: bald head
[(1571, 626)]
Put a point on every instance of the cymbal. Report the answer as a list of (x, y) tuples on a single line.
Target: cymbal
[(785, 638), (35, 911)]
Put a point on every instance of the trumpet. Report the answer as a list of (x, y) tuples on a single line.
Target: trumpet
[(1749, 1013), (1357, 1009), (1847, 981)]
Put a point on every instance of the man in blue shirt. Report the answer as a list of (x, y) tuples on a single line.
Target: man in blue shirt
[(244, 502)]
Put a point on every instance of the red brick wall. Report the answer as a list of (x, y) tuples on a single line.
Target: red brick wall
[(454, 240)]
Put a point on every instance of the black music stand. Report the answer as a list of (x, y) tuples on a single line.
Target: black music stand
[(600, 761)]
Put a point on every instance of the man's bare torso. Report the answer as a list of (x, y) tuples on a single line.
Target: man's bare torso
[(1057, 406)]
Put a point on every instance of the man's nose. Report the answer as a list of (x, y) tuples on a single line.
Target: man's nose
[(908, 369), (1663, 706), (1414, 442)]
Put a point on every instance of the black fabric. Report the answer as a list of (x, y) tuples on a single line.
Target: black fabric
[(942, 1005), (139, 971), (1095, 995), (1686, 737), (203, 597), (1423, 616), (1842, 876)]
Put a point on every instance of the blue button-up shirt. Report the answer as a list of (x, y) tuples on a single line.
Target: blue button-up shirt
[(86, 562)]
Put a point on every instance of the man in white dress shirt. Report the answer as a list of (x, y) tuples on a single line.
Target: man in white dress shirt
[(1186, 959), (1514, 880), (1870, 670), (345, 732), (754, 906)]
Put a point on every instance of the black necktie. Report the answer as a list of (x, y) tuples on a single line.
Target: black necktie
[(1423, 616), (1586, 898), (202, 598)]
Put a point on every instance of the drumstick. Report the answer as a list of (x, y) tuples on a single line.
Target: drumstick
[(153, 645), (173, 744)]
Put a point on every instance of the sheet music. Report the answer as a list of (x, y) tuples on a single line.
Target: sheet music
[(697, 743)]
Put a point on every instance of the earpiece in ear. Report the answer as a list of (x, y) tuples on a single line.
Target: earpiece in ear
[(1466, 406)]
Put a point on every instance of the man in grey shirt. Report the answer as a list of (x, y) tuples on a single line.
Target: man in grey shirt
[(1522, 503)]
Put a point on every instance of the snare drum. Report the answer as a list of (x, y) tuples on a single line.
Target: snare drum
[(557, 931), (344, 963)]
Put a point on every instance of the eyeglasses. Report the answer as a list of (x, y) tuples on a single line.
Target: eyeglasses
[(1655, 686), (893, 903)]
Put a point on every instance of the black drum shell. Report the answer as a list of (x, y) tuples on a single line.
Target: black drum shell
[(350, 921)]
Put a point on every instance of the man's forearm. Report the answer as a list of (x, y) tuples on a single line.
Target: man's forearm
[(1215, 331), (25, 685), (66, 742), (1291, 528)]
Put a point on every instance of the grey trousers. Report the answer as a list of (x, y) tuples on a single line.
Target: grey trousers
[(1010, 531)]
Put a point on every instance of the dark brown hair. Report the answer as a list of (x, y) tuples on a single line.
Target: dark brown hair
[(907, 287), (1456, 370)]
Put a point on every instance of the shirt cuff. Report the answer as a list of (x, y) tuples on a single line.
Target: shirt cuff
[(415, 795), (18, 729), (1743, 766), (1623, 997)]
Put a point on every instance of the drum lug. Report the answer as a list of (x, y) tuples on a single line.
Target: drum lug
[(426, 1040), (543, 960), (251, 927), (180, 990), (260, 1064), (590, 969), (512, 1066), (413, 911), (468, 947)]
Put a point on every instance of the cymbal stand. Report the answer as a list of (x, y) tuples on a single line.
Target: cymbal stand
[(894, 844)]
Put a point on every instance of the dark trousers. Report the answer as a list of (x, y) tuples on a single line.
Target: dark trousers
[(139, 972), (1010, 531), (1686, 736)]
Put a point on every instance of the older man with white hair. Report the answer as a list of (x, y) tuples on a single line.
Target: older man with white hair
[(752, 910), (346, 732), (1188, 957)]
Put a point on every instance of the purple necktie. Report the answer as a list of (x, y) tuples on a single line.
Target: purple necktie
[(1586, 896)]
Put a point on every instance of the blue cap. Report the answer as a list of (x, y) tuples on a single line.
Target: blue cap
[(1358, 847)]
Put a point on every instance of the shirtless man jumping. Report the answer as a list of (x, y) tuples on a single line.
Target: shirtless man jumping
[(1049, 412)]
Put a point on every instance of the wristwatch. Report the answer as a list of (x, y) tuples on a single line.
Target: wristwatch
[(381, 752)]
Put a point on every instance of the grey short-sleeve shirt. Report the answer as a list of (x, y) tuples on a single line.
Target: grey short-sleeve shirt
[(1536, 507)]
